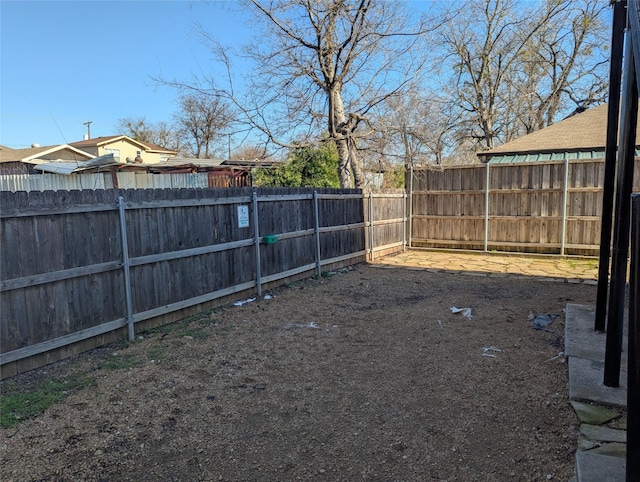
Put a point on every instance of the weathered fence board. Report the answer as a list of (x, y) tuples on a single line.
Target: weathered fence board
[(63, 262), (544, 207), (126, 180)]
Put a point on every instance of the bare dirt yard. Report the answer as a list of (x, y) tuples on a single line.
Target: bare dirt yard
[(362, 375)]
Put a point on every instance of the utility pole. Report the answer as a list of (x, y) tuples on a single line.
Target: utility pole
[(88, 124)]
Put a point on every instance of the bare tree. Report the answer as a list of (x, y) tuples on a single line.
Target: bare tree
[(137, 128), (160, 133), (248, 153), (322, 66), (564, 66), (202, 121), (166, 135), (417, 129), (515, 63)]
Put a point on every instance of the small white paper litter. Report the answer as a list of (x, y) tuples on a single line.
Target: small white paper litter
[(267, 297), (311, 325), (466, 312), (558, 356), (490, 350), (243, 302)]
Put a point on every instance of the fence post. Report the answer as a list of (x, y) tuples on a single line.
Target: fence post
[(371, 235), (126, 265), (316, 228), (565, 201), (410, 204), (256, 241), (486, 211), (633, 374), (622, 216), (404, 221), (613, 109)]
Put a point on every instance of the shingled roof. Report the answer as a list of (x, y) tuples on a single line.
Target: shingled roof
[(101, 141), (586, 131), (33, 154)]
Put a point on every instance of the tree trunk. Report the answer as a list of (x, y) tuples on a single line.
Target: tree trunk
[(343, 163), (356, 168), (337, 120)]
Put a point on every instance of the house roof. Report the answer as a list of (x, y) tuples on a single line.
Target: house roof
[(6, 154), (32, 154), (584, 132), (252, 162), (156, 148), (179, 162), (69, 168), (105, 140)]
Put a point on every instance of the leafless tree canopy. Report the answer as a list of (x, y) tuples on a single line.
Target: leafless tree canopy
[(516, 65), (160, 133), (323, 66), (385, 82), (137, 128), (248, 153), (417, 129), (203, 121)]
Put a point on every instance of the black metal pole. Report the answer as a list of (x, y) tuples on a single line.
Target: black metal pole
[(633, 375), (624, 187), (613, 111)]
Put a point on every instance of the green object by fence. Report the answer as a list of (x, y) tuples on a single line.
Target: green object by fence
[(184, 231)]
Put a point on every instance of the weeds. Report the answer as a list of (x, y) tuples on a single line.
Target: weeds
[(193, 326), (157, 353), (586, 263), (20, 402), (16, 406), (120, 363), (223, 330)]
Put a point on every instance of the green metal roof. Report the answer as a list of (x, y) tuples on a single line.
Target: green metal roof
[(555, 156)]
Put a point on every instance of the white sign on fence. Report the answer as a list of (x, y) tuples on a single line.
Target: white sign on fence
[(243, 216)]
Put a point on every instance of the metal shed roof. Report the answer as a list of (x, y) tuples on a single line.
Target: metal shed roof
[(549, 156)]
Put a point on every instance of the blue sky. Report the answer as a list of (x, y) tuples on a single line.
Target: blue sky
[(64, 63)]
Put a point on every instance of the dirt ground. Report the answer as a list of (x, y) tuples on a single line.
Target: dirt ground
[(363, 375)]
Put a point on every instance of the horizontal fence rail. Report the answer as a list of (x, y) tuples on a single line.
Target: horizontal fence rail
[(550, 207), (82, 266)]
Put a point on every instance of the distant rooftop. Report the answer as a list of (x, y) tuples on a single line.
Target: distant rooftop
[(583, 134)]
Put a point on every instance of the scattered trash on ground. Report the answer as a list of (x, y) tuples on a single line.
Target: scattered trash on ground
[(559, 356), (267, 297), (440, 323), (344, 270), (244, 302), (466, 312), (311, 325), (540, 322), (490, 350)]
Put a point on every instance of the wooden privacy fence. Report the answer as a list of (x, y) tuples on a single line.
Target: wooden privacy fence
[(540, 207), (125, 180), (82, 268)]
